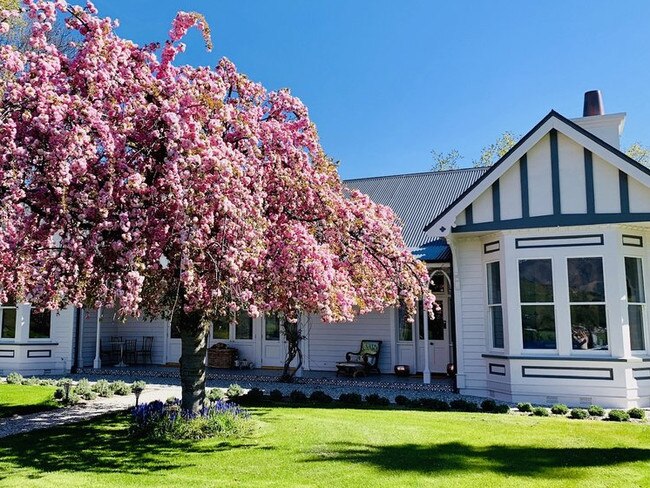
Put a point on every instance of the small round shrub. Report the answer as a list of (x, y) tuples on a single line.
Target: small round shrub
[(502, 408), (433, 404), (216, 394), (63, 382), (171, 401), (618, 416), (596, 411), (59, 393), (120, 388), (636, 413), (276, 395), (84, 390), (73, 399), (138, 386), (559, 409), (33, 381), (402, 400), (540, 412), (46, 382), (377, 400), (103, 388), (351, 398), (579, 413), (297, 396), (14, 378), (524, 407), (234, 391), (319, 396), (488, 405), (463, 406), (253, 395)]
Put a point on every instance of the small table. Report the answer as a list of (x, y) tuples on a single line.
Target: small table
[(121, 363), (351, 369)]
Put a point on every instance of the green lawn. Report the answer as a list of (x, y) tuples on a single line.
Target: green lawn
[(22, 399), (342, 447)]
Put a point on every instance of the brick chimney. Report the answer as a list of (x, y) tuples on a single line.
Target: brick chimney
[(608, 127)]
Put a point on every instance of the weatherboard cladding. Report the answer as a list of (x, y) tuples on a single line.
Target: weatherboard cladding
[(418, 199)]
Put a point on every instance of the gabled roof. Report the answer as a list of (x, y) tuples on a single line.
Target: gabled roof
[(417, 199), (553, 120)]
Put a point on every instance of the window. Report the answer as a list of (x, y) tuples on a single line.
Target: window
[(635, 302), (494, 303), (221, 329), (437, 325), (587, 303), (244, 327), (404, 328), (537, 307), (272, 328), (39, 324), (8, 318)]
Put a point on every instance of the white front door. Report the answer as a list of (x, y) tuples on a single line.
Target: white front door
[(272, 342)]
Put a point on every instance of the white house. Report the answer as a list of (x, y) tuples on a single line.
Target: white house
[(539, 264)]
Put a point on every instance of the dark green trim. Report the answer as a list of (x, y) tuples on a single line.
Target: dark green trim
[(555, 172), (609, 371), (560, 358), (638, 239), (555, 221), (6, 342), (496, 202), (589, 182), (624, 192), (550, 239), (469, 214), (523, 178), (561, 118)]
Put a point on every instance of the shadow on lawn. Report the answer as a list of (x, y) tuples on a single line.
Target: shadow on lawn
[(509, 460), (100, 446), (9, 410)]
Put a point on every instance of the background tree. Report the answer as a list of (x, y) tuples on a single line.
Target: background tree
[(194, 194), (445, 161), (639, 153)]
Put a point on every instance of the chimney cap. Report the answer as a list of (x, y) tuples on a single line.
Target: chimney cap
[(593, 104)]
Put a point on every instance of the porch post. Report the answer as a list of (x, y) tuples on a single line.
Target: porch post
[(80, 339), (97, 363), (426, 373)]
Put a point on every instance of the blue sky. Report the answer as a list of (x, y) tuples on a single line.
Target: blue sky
[(388, 81)]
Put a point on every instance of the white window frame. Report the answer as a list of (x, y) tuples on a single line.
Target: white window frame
[(580, 352), (2, 309), (533, 351), (490, 306), (644, 311)]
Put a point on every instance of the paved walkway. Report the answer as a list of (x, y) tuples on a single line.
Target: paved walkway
[(83, 411)]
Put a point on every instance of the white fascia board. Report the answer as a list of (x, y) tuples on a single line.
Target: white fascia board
[(447, 221)]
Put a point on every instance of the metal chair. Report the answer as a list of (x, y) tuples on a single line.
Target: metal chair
[(131, 351), (145, 350), (116, 342)]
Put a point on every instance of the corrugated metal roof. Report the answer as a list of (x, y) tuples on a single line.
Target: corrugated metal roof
[(417, 199)]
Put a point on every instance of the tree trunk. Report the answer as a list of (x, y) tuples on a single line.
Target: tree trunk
[(293, 336), (194, 346)]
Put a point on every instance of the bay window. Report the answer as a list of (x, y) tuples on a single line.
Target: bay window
[(587, 303), (537, 306), (495, 311), (635, 302)]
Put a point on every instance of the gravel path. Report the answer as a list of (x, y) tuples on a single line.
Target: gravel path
[(83, 411)]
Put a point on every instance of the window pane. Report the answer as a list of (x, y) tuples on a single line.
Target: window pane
[(39, 324), (535, 281), (221, 329), (496, 317), (538, 326), (404, 328), (589, 327), (635, 314), (8, 323), (244, 328), (634, 278), (272, 328), (494, 283), (437, 325), (438, 283), (586, 283)]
